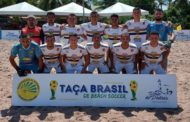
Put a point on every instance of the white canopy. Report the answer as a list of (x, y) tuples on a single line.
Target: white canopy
[(23, 8), (71, 8), (120, 9)]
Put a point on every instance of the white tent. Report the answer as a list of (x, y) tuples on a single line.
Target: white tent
[(120, 9), (71, 8), (23, 8)]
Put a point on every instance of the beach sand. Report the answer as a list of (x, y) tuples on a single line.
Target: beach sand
[(179, 64)]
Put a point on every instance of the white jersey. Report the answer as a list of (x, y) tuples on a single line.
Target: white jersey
[(113, 34), (124, 55), (137, 31), (74, 57), (90, 29), (51, 57), (55, 29), (66, 31), (153, 54), (97, 55)]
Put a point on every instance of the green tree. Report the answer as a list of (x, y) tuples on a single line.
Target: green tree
[(178, 12), (148, 5), (4, 3)]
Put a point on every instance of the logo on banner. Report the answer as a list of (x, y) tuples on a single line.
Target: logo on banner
[(53, 88), (161, 93), (133, 87), (28, 89)]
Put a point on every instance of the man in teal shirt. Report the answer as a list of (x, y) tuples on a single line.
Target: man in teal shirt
[(29, 55)]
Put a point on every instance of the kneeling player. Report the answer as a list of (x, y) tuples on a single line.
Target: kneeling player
[(124, 55), (97, 51), (51, 55), (72, 55), (153, 53)]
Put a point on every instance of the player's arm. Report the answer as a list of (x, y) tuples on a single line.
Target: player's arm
[(42, 36), (165, 55), (62, 61), (142, 63), (107, 56), (86, 62), (20, 72), (84, 36), (137, 61), (13, 63), (172, 37), (112, 68)]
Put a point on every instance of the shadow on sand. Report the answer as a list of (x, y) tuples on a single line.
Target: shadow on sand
[(94, 112)]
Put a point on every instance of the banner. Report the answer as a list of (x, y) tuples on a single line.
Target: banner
[(10, 34), (182, 35), (102, 90)]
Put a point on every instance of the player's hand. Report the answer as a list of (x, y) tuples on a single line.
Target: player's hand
[(143, 65), (124, 27), (83, 71), (21, 72), (40, 71), (62, 26), (162, 64)]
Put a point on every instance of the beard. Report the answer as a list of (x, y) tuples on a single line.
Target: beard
[(158, 19)]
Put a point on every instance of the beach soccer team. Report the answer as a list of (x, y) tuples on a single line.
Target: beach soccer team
[(138, 46)]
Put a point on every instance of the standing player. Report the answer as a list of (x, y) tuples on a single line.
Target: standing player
[(124, 55), (29, 55), (93, 26), (72, 55), (114, 32), (52, 55), (164, 30), (98, 55), (72, 28), (137, 28), (33, 30), (52, 27), (153, 53)]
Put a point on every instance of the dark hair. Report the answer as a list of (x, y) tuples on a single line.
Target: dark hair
[(158, 9), (114, 15), (72, 14), (73, 34), (94, 12), (154, 33), (50, 13), (136, 9)]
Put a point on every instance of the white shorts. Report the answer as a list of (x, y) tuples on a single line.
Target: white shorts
[(129, 67), (73, 68), (48, 69), (155, 67), (101, 66)]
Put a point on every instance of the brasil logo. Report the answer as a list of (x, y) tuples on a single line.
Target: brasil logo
[(28, 89), (133, 87), (53, 88)]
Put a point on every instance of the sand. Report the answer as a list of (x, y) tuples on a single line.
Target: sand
[(179, 64)]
